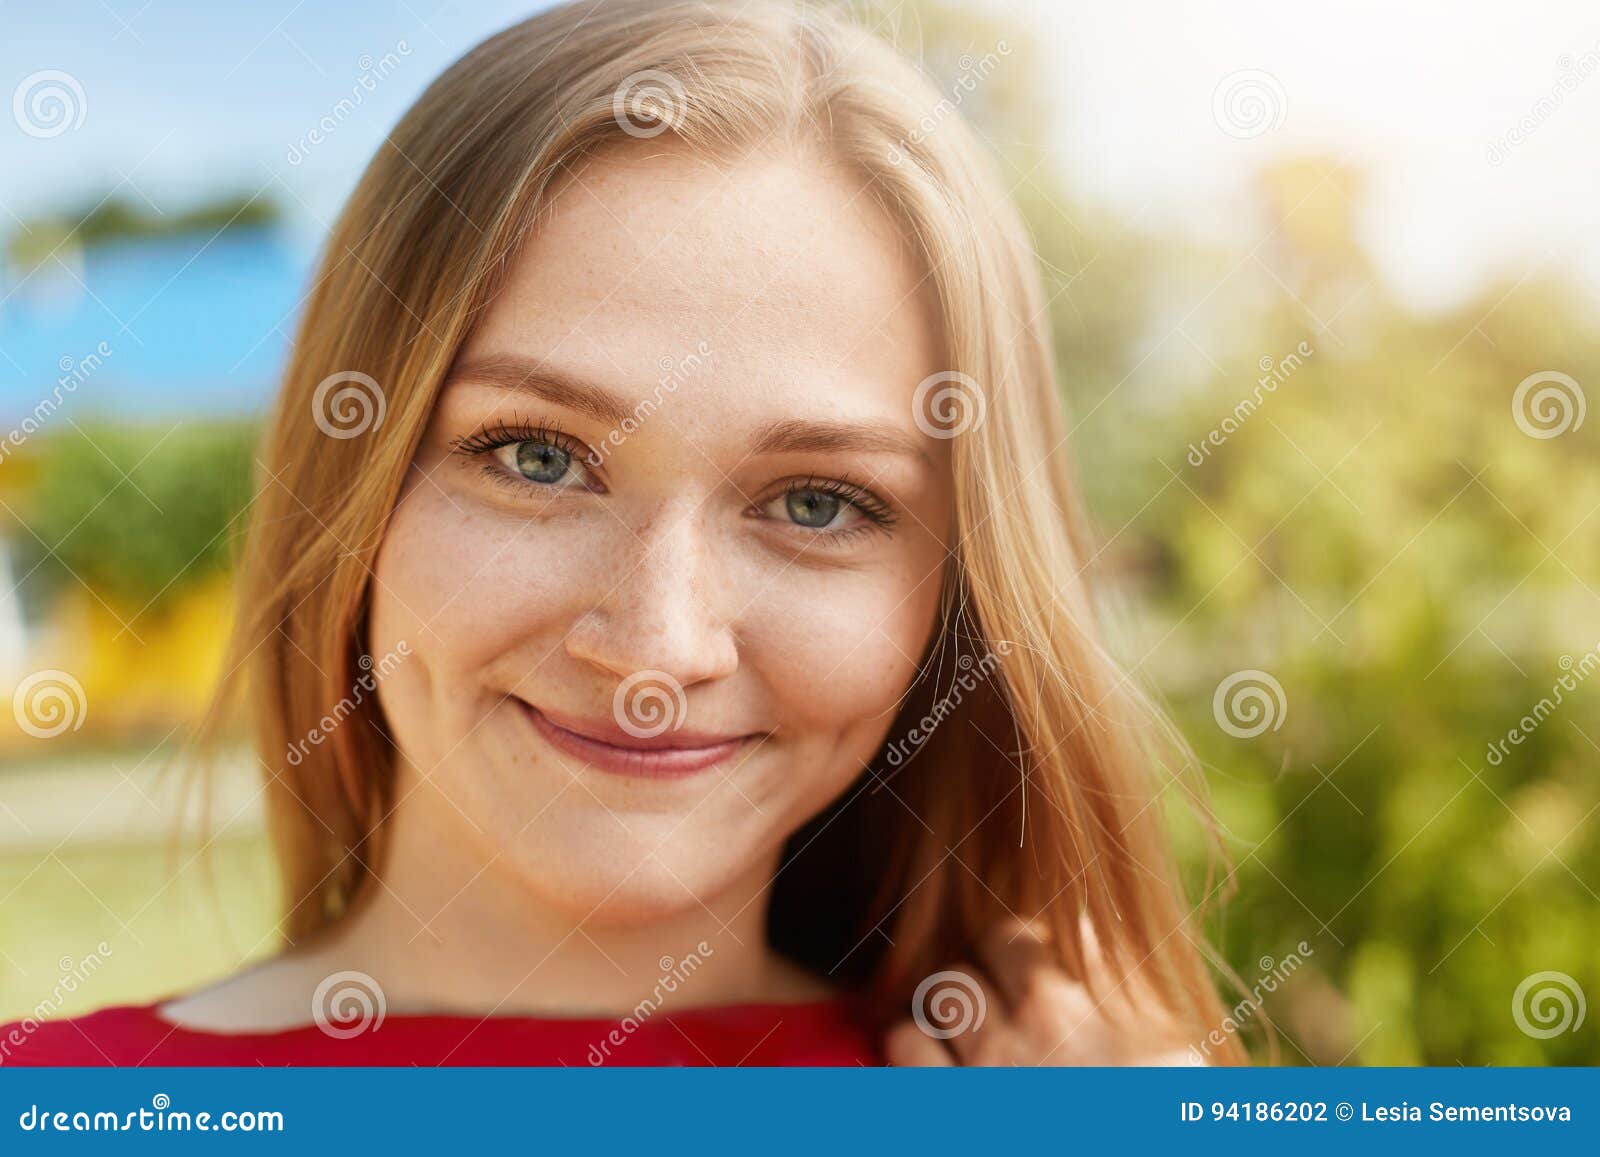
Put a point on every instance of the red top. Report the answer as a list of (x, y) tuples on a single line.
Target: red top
[(819, 1033)]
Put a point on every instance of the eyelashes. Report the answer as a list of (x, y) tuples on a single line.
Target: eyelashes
[(567, 456), (855, 494), (867, 511), (492, 436)]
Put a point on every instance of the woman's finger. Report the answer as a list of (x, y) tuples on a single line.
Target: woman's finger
[(963, 1007), (1021, 961), (908, 1046)]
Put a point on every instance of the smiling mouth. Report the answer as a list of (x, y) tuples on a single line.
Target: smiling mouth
[(607, 747)]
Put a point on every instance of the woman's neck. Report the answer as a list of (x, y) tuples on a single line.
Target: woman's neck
[(452, 927)]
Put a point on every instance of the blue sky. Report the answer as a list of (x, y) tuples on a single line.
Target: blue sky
[(182, 101), (185, 99)]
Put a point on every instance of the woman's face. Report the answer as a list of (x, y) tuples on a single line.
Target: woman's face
[(672, 545)]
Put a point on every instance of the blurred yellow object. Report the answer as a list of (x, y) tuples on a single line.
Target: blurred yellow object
[(142, 674)]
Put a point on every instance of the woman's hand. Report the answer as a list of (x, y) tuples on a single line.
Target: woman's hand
[(1020, 1008)]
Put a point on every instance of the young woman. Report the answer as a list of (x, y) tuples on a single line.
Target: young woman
[(664, 618)]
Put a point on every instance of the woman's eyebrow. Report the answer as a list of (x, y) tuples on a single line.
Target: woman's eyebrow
[(509, 372), (794, 435)]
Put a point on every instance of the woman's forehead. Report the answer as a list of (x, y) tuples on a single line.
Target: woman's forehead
[(649, 250)]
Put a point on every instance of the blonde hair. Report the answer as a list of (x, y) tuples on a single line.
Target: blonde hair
[(1040, 792)]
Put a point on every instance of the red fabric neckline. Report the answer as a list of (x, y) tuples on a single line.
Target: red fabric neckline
[(827, 1032)]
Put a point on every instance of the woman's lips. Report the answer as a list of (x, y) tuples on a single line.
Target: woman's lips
[(609, 748)]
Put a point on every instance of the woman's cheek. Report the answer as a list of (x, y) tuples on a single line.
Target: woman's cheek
[(477, 580), (838, 648)]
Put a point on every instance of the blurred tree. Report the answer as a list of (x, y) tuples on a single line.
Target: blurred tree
[(134, 512), (1386, 529)]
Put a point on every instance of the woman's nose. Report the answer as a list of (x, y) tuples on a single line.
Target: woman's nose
[(657, 609)]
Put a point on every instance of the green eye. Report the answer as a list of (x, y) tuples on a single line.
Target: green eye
[(813, 508), (542, 462)]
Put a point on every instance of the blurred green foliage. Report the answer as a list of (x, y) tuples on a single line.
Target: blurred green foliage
[(133, 511), (1378, 533)]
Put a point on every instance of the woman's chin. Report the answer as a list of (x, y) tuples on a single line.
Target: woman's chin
[(609, 888)]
